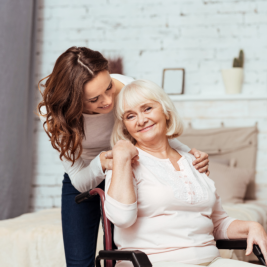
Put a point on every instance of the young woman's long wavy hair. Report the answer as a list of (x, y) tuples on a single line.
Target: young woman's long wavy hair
[(63, 99)]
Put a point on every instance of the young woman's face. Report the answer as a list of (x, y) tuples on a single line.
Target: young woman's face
[(99, 94), (146, 122)]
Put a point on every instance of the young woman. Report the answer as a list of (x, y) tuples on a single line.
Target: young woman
[(77, 111), (160, 204)]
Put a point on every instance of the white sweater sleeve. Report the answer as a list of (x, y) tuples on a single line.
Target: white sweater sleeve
[(82, 177), (121, 215), (176, 144), (220, 219)]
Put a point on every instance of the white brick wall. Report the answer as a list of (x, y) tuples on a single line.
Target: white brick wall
[(201, 36)]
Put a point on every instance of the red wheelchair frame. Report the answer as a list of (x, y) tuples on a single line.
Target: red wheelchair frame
[(139, 258)]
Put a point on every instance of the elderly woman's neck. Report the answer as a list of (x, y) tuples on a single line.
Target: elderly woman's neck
[(160, 149)]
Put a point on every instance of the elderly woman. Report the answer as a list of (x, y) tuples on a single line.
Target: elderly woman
[(156, 199)]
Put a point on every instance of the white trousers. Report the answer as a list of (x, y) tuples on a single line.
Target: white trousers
[(218, 262)]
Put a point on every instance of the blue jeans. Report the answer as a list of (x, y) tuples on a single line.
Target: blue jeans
[(80, 224)]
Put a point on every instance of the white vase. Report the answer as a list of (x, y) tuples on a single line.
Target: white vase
[(233, 80)]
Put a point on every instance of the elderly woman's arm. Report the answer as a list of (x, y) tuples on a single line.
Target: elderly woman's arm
[(120, 203), (220, 219), (226, 227), (252, 231), (121, 187)]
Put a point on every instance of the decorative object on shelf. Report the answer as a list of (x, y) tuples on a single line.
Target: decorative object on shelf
[(173, 80), (233, 78), (115, 65)]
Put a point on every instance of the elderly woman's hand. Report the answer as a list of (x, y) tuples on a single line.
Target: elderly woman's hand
[(122, 149), (202, 161), (257, 235), (252, 231)]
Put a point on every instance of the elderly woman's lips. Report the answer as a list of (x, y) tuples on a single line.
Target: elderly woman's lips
[(146, 129)]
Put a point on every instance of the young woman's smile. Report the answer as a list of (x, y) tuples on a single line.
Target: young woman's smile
[(106, 107)]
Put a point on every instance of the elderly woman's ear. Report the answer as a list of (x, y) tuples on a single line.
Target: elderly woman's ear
[(167, 117), (202, 161)]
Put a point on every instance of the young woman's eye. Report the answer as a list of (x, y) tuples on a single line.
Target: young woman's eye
[(93, 101), (109, 87)]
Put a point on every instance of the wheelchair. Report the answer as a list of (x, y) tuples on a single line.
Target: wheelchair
[(139, 258)]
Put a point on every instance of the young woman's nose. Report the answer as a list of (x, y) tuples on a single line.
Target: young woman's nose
[(106, 100)]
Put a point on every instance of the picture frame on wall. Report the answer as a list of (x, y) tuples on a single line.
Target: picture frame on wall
[(173, 80)]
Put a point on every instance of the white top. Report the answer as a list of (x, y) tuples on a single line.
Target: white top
[(177, 216), (86, 173)]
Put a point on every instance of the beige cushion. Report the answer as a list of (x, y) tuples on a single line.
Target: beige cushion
[(231, 183), (238, 144)]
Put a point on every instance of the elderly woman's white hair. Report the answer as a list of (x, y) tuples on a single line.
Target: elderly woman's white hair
[(134, 94)]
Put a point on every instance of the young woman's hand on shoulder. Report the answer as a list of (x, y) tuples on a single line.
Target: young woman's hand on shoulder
[(106, 160)]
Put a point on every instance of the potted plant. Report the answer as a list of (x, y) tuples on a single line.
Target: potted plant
[(233, 78)]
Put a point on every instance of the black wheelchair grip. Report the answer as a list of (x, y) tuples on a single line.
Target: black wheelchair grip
[(81, 197)]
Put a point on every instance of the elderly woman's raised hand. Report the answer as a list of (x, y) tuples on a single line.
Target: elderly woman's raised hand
[(123, 150), (124, 153)]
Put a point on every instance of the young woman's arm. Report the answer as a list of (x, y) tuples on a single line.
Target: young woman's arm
[(84, 177), (175, 143), (201, 162)]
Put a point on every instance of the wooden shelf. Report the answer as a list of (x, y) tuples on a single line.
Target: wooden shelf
[(216, 97)]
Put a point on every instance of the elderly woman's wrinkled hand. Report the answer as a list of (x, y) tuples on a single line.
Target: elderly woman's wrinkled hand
[(125, 150), (202, 161), (257, 235)]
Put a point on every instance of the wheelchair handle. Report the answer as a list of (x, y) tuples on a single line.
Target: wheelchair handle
[(83, 196)]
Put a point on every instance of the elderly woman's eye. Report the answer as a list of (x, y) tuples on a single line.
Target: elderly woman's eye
[(129, 117), (147, 109)]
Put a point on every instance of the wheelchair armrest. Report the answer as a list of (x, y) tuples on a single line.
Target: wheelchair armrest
[(240, 244), (231, 244), (138, 258)]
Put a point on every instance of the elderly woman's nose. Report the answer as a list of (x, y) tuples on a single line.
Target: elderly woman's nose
[(141, 119)]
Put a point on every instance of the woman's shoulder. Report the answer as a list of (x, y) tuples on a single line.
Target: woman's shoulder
[(122, 78), (190, 158)]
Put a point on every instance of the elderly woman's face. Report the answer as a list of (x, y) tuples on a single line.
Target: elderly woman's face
[(145, 122)]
